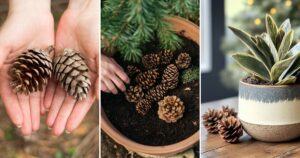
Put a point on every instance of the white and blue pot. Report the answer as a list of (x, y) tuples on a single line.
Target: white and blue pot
[(270, 113)]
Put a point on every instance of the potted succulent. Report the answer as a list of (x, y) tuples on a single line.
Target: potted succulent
[(269, 104), (190, 31)]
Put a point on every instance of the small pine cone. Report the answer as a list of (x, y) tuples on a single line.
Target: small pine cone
[(31, 70), (228, 111), (166, 56), (147, 79), (143, 106), (230, 129), (183, 61), (134, 94), (72, 72), (211, 119), (170, 77), (132, 70), (170, 109), (156, 93), (151, 61)]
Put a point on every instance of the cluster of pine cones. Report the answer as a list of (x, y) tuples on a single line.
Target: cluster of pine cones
[(32, 69), (147, 90), (224, 122)]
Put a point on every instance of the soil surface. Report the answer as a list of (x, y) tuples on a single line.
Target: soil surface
[(149, 129)]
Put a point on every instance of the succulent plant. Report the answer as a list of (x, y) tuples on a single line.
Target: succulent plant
[(270, 59)]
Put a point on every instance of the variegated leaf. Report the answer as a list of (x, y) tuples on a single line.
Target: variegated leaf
[(294, 50), (288, 80), (271, 45), (252, 65), (280, 68), (285, 44), (247, 40), (271, 27), (279, 37), (293, 68), (264, 48), (286, 26)]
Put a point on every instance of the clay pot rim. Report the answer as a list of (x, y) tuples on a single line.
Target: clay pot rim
[(165, 150), (268, 86)]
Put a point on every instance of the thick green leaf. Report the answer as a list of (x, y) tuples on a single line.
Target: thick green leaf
[(252, 65), (247, 40), (264, 48), (288, 80), (293, 68), (279, 37), (285, 44), (266, 37), (286, 26), (280, 68), (271, 27), (294, 50)]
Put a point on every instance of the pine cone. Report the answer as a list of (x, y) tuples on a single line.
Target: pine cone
[(156, 93), (72, 72), (170, 109), (151, 61), (166, 56), (228, 111), (134, 94), (211, 119), (132, 70), (31, 70), (143, 106), (170, 77), (183, 61), (147, 79), (230, 129)]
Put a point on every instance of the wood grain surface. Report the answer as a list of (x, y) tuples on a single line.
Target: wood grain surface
[(212, 146)]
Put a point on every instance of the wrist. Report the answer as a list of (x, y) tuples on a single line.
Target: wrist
[(30, 5)]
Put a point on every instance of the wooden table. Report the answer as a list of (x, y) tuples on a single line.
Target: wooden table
[(213, 146)]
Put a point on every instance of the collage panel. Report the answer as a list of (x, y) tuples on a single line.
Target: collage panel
[(150, 72)]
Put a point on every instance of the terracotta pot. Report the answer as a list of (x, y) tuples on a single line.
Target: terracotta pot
[(189, 30), (270, 113)]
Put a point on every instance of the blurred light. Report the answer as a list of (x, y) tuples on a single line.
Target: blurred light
[(250, 2), (273, 10), (288, 3), (257, 21)]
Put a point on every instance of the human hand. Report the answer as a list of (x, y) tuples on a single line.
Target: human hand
[(112, 75), (29, 25), (78, 29)]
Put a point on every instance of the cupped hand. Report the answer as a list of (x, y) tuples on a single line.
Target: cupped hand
[(112, 76), (26, 27), (78, 29)]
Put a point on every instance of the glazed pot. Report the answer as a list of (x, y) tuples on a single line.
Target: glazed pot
[(189, 30), (270, 113)]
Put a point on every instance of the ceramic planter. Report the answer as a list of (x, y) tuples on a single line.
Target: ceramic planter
[(270, 113), (189, 30)]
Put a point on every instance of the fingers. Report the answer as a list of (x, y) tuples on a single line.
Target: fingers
[(49, 94), (104, 87), (118, 83), (111, 87), (63, 115), (25, 107), (10, 100), (34, 100), (120, 72), (80, 110), (55, 105)]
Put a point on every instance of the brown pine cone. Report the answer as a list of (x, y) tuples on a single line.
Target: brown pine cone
[(72, 72), (230, 129), (132, 70), (151, 61), (156, 93), (31, 70), (170, 77), (147, 79), (211, 119), (143, 106), (183, 61), (166, 56), (134, 93), (228, 111), (170, 109)]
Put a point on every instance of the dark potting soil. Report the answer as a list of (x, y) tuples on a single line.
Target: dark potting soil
[(253, 80), (149, 129)]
